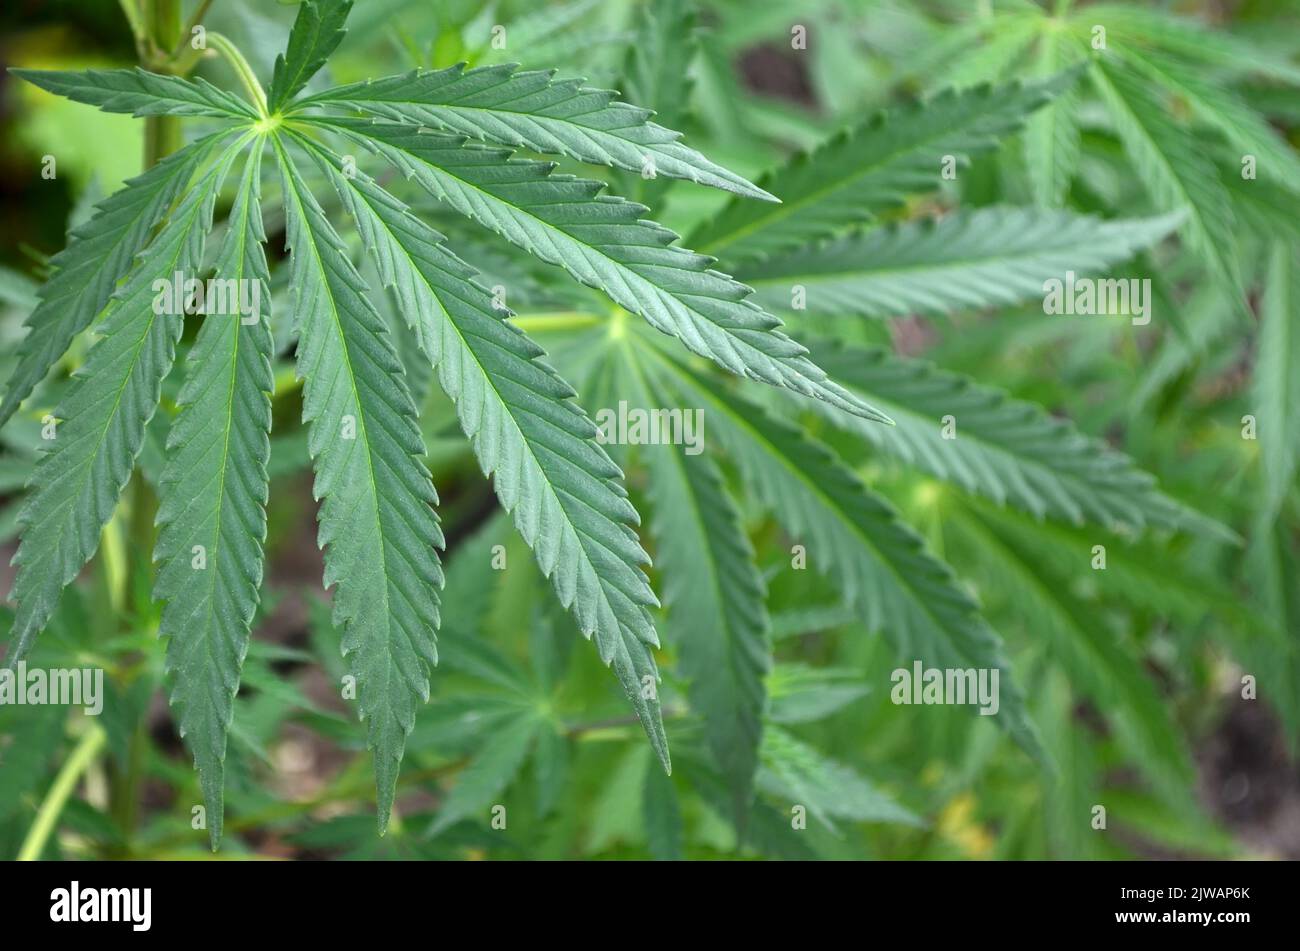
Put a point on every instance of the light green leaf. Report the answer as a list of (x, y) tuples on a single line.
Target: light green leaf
[(1277, 376), (1010, 451), (1174, 167), (799, 774), (969, 259), (656, 75), (715, 598), (488, 773), (663, 817), (1052, 134), (1098, 666), (1246, 130), (803, 694), (855, 537), (861, 172)]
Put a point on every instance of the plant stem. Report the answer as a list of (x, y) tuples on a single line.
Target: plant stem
[(189, 27), (87, 749), (162, 137), (162, 134), (230, 51)]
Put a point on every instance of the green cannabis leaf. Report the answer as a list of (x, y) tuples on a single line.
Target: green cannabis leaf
[(423, 240), (377, 522)]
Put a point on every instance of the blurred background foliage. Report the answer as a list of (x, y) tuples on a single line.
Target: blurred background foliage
[(1133, 675)]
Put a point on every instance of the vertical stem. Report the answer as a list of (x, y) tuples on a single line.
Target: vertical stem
[(52, 806), (162, 137), (162, 134)]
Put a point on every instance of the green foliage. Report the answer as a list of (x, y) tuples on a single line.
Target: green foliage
[(219, 441), (1102, 511)]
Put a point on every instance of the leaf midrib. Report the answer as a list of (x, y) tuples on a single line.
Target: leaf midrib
[(290, 171), (491, 383)]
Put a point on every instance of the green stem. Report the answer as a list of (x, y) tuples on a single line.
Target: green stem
[(162, 137), (230, 51), (131, 10), (52, 806), (556, 321), (162, 134), (189, 27), (164, 21)]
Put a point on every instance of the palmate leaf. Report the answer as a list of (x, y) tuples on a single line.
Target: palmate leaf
[(861, 172), (140, 92), (855, 537), (529, 109), (377, 523), (1245, 129), (490, 770), (1005, 449), (213, 493), (317, 32), (800, 774), (604, 243), (527, 432), (1174, 168), (715, 598), (1139, 26), (77, 483), (1098, 666), (968, 259), (86, 272)]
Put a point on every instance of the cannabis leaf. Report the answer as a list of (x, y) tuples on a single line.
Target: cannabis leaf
[(714, 594), (526, 431), (530, 109), (87, 270), (1006, 449), (964, 260), (213, 493), (317, 31), (864, 171), (1277, 390), (103, 418), (855, 537), (377, 523), (140, 92), (604, 243), (1173, 166)]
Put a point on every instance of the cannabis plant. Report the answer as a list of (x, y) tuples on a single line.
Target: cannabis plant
[(788, 282)]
